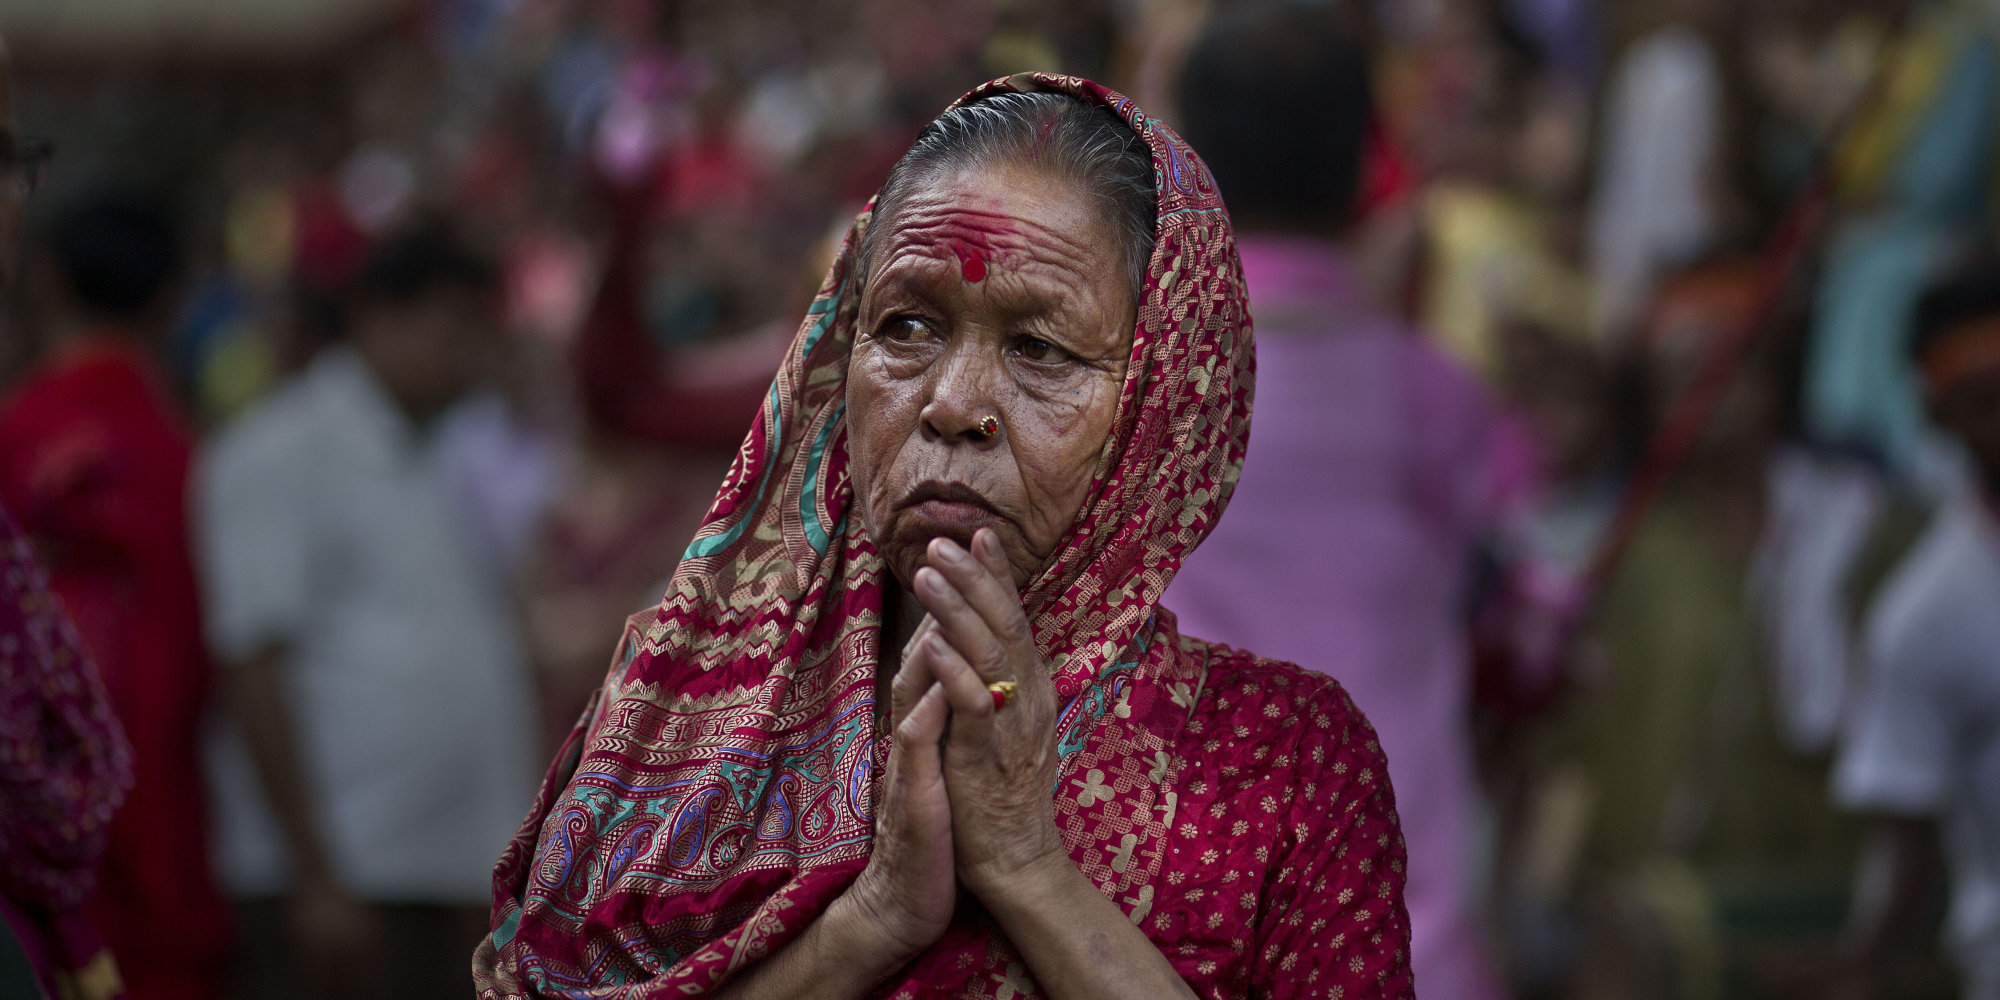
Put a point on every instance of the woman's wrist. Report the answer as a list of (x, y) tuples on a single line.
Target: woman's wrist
[(1020, 863), (865, 927), (1042, 880), (841, 955), (1075, 940)]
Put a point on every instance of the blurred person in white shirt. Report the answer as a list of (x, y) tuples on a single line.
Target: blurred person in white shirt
[(372, 671), (1920, 750)]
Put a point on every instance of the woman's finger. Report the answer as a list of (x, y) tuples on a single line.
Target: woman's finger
[(971, 701), (916, 758), (913, 678), (991, 594), (923, 628), (962, 627), (986, 548), (917, 738)]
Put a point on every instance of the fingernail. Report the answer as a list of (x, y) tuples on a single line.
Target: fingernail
[(949, 551)]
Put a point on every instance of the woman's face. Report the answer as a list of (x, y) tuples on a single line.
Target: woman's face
[(997, 292)]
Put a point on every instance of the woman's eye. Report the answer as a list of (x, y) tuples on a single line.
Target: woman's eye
[(905, 329), (1037, 349)]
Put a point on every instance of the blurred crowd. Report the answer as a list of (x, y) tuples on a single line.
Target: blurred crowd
[(1646, 404)]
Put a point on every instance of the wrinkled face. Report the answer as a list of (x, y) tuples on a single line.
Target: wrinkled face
[(997, 292)]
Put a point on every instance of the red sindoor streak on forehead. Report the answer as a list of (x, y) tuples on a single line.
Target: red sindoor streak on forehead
[(971, 266), (973, 237)]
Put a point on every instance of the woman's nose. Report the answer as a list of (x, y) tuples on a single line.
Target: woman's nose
[(962, 406)]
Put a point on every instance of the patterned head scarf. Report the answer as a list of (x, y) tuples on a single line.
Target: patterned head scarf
[(719, 792)]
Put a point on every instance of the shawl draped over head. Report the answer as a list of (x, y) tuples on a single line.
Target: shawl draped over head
[(719, 792)]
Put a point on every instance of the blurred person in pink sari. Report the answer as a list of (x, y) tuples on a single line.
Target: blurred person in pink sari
[(1373, 474)]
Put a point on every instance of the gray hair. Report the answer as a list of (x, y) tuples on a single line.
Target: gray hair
[(1066, 137)]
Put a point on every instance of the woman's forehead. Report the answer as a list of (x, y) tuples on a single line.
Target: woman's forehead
[(998, 213)]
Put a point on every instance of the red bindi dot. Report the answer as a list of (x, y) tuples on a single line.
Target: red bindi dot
[(973, 269)]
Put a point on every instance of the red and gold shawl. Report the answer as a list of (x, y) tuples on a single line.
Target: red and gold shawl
[(718, 793)]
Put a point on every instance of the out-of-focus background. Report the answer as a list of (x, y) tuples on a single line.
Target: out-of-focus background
[(446, 316)]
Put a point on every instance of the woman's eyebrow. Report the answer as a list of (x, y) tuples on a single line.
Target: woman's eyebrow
[(914, 273), (925, 270), (1023, 300)]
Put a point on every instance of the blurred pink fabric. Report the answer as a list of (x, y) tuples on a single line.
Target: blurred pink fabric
[(1376, 466)]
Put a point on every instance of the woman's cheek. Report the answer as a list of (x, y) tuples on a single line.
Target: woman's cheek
[(1063, 455), (871, 441), (1055, 482)]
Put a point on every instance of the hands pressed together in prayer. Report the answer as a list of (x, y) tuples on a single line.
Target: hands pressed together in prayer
[(967, 792), (967, 798), (967, 803)]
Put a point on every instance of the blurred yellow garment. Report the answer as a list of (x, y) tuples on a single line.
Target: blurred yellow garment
[(260, 234), (1917, 66), (238, 372), (1490, 264), (1915, 180)]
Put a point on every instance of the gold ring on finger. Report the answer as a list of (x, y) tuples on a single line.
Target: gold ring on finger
[(1003, 692)]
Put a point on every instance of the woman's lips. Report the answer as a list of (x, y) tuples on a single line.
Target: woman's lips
[(954, 510), (954, 517)]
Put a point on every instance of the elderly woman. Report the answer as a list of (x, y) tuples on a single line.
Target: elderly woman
[(910, 721)]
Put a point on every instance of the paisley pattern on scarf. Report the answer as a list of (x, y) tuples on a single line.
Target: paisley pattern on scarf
[(718, 794)]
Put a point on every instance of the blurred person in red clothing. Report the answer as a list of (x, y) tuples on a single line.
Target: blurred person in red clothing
[(94, 463), (64, 764)]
